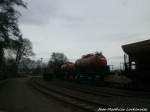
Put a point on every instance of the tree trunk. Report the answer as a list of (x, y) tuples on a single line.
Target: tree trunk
[(1, 56)]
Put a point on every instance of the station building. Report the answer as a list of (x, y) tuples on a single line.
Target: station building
[(137, 56), (137, 63)]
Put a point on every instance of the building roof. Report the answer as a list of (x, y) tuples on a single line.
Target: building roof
[(136, 48)]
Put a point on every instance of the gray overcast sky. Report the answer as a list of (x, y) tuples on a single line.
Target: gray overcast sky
[(77, 27)]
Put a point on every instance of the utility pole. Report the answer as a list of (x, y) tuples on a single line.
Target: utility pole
[(120, 66), (41, 64)]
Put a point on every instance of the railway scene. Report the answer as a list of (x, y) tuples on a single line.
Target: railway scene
[(74, 56)]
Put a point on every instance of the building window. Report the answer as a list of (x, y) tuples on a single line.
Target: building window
[(133, 65)]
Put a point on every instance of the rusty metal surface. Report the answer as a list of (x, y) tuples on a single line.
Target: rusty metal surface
[(94, 60)]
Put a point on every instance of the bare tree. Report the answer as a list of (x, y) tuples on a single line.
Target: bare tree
[(9, 29), (58, 59), (23, 50), (55, 62)]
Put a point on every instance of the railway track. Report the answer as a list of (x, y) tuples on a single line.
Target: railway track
[(76, 101), (87, 91), (83, 90), (94, 101), (99, 91)]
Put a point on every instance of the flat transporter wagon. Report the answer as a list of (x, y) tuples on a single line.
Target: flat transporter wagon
[(91, 66)]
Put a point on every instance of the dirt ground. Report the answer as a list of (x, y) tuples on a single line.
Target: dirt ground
[(17, 96)]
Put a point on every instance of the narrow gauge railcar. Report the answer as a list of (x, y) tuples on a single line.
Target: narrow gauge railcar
[(92, 66), (68, 70)]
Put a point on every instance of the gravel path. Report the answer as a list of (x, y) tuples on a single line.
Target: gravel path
[(16, 96)]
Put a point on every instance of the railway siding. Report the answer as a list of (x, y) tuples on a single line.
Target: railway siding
[(107, 91), (63, 98), (112, 101)]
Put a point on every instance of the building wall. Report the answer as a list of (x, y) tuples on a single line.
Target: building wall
[(142, 61)]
